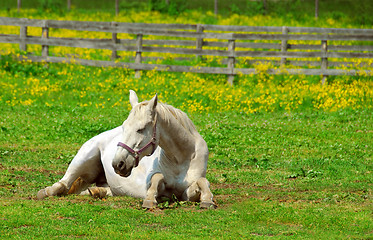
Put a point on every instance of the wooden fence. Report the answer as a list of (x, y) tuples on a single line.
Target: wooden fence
[(317, 51)]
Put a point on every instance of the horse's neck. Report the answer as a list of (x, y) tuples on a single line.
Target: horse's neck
[(175, 140)]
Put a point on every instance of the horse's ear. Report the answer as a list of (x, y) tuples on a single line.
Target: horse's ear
[(133, 98), (153, 102)]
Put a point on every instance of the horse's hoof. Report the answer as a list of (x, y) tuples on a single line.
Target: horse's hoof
[(41, 194), (207, 205), (97, 192), (149, 204)]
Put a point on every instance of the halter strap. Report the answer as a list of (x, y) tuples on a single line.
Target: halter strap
[(152, 142)]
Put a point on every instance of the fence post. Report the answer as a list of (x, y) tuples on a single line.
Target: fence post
[(138, 57), (324, 60), (23, 36), (45, 35), (199, 41), (316, 9), (284, 45), (19, 4), (114, 40), (231, 60), (116, 7), (216, 7)]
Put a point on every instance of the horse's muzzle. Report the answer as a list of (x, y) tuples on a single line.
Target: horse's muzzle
[(121, 169)]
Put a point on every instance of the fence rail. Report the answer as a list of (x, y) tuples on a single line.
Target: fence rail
[(325, 49)]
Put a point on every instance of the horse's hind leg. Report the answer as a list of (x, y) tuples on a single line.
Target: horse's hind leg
[(200, 191), (60, 188), (56, 189), (78, 186), (84, 169)]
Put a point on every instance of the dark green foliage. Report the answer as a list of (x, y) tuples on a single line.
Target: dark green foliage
[(173, 7)]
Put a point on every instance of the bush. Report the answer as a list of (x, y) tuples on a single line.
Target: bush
[(174, 7), (52, 5)]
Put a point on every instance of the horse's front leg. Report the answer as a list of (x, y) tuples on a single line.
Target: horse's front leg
[(157, 185), (200, 191)]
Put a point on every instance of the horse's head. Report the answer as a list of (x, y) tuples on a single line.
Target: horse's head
[(139, 136)]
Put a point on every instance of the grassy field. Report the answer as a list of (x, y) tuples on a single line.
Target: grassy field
[(356, 12), (289, 158), (304, 173)]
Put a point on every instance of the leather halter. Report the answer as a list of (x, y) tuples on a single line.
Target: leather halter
[(136, 154)]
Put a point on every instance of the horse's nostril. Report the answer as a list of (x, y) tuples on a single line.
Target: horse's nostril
[(120, 164)]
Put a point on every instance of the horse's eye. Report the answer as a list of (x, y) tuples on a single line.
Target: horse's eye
[(141, 130)]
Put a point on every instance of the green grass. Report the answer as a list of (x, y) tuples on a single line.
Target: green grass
[(354, 13), (300, 175)]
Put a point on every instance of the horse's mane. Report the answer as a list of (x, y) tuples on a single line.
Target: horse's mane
[(169, 112)]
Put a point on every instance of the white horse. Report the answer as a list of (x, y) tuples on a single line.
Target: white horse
[(157, 175), (182, 161), (93, 165)]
